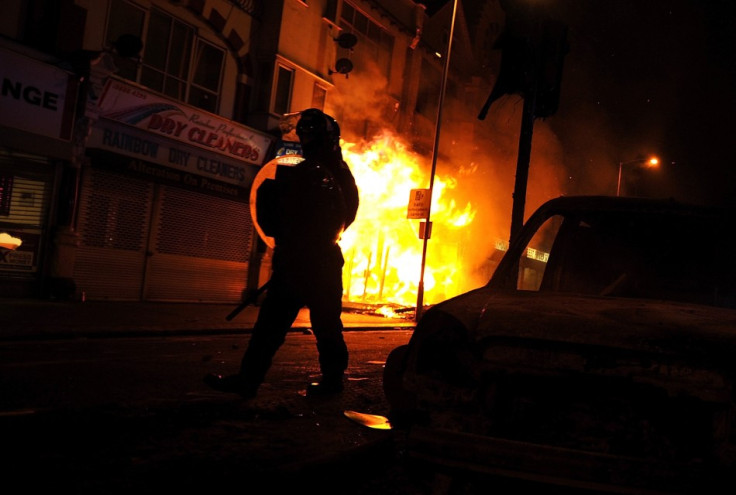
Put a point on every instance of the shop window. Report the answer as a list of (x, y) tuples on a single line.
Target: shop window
[(282, 95), (23, 200), (6, 191), (175, 60)]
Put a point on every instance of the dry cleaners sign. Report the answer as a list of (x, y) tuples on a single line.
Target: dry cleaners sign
[(133, 106)]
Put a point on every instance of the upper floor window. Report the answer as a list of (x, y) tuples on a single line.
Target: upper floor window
[(375, 44), (282, 93), (175, 60)]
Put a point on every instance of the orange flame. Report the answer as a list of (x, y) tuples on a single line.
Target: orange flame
[(383, 251)]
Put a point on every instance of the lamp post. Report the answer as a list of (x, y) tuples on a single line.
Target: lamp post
[(438, 122), (651, 162)]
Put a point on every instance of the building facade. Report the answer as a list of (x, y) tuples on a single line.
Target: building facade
[(131, 130)]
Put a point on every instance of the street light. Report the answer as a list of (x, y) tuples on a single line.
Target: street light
[(650, 163), (438, 122)]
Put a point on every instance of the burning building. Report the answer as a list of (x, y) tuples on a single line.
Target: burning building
[(165, 112)]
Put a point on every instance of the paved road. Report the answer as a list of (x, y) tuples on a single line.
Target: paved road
[(117, 415), (122, 415)]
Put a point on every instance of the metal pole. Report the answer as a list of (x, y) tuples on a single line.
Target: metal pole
[(427, 230), (522, 163), (621, 166)]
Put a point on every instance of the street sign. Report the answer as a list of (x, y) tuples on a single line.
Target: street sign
[(418, 204)]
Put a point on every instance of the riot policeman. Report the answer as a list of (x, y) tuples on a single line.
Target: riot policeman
[(305, 209)]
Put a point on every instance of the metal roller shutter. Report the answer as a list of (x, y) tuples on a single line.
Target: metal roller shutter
[(114, 213), (201, 248), (26, 192)]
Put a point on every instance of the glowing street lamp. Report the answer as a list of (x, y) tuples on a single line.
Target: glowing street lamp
[(650, 162)]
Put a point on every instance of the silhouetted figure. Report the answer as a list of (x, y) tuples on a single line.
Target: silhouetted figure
[(305, 209)]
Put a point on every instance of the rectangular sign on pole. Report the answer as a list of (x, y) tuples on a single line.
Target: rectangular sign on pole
[(418, 204)]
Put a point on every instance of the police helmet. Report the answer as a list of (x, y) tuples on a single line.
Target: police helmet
[(315, 128)]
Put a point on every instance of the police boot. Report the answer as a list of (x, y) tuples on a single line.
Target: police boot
[(325, 387)]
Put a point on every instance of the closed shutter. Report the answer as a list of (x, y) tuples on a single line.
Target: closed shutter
[(201, 249), (26, 183), (114, 212)]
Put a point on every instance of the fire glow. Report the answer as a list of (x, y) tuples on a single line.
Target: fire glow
[(9, 242), (382, 249)]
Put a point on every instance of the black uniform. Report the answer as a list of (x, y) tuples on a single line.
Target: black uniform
[(305, 209)]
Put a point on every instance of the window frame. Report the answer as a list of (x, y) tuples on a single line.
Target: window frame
[(281, 96), (375, 42), (141, 68)]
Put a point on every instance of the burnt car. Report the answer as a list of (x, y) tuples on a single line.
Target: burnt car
[(600, 355)]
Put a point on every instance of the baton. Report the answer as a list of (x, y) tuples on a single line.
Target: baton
[(246, 302)]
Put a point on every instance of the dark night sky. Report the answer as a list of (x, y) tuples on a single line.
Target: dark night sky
[(650, 76)]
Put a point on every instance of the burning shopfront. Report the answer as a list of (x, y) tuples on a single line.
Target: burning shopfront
[(124, 194), (150, 196)]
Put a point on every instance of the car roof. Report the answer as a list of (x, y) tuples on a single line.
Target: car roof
[(617, 203), (572, 206)]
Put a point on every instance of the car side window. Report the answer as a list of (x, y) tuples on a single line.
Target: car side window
[(535, 258), (591, 255)]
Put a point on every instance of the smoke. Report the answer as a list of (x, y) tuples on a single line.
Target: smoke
[(476, 165), (361, 102), (484, 162)]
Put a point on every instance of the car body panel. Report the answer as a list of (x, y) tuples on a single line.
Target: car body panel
[(607, 382)]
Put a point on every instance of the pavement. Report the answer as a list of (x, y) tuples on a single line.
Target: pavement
[(22, 319)]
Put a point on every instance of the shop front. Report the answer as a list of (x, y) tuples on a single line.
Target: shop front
[(37, 108), (164, 206)]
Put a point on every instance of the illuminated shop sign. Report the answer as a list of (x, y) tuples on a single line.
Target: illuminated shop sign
[(19, 250), (158, 116), (188, 164), (36, 97)]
